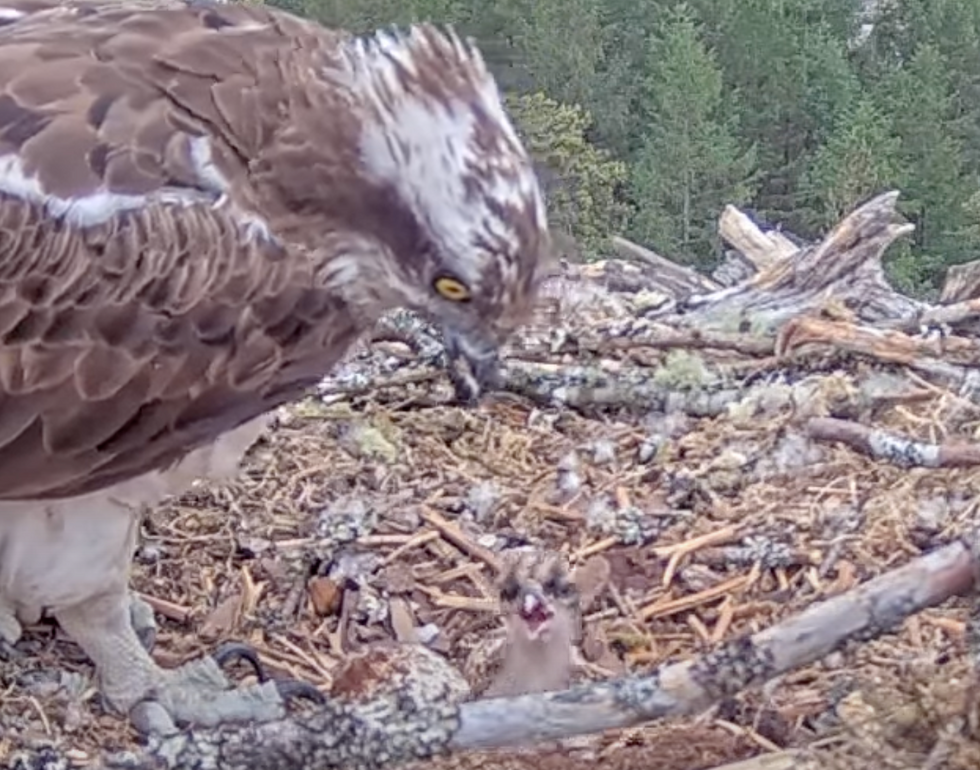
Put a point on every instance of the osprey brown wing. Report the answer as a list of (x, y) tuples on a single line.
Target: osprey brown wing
[(143, 309)]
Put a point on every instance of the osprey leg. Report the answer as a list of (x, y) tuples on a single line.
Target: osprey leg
[(196, 693)]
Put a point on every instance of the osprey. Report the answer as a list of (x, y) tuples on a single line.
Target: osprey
[(202, 206)]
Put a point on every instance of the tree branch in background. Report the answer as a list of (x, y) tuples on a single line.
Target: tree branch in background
[(762, 249)]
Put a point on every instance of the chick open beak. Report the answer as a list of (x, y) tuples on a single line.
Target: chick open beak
[(474, 364), (535, 612)]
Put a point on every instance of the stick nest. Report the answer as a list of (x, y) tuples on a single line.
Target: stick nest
[(380, 511)]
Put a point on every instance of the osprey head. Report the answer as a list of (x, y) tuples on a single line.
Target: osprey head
[(472, 240), (539, 599)]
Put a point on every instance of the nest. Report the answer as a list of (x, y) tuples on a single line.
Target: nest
[(377, 510)]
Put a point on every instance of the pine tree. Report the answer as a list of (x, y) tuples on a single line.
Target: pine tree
[(580, 181), (952, 28), (861, 158), (918, 98), (785, 64), (690, 164)]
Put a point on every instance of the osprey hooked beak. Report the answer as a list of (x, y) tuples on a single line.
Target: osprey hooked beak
[(474, 363)]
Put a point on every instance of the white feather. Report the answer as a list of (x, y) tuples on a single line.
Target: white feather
[(55, 554), (101, 205), (424, 146)]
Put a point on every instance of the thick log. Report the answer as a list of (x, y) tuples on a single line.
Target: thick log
[(668, 276)]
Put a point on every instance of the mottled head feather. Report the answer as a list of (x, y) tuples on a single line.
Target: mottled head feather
[(438, 133)]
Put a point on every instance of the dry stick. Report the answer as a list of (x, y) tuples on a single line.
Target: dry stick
[(901, 451), (382, 734), (455, 535)]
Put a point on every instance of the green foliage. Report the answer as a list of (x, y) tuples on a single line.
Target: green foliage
[(690, 163), (580, 180), (935, 188), (859, 159), (915, 274)]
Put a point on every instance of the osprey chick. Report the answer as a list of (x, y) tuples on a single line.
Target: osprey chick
[(202, 206), (540, 607)]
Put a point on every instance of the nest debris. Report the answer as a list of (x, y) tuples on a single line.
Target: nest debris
[(734, 455)]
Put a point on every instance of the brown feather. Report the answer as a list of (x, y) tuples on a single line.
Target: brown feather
[(128, 342)]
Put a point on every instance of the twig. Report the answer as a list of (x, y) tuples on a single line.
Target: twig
[(901, 451), (169, 610), (671, 606), (455, 535)]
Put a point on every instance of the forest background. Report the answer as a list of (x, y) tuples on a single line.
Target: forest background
[(647, 117)]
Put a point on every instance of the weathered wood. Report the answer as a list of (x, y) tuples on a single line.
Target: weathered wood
[(763, 249), (669, 276), (844, 268), (734, 268), (962, 283)]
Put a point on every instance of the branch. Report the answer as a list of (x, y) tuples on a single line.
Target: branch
[(898, 450), (384, 733), (761, 249), (673, 278), (598, 387)]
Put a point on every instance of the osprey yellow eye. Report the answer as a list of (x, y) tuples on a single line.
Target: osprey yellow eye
[(451, 289)]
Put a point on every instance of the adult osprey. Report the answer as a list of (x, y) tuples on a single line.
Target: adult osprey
[(201, 207)]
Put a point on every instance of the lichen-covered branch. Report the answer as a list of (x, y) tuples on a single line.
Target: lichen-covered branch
[(598, 387), (892, 448), (383, 734)]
